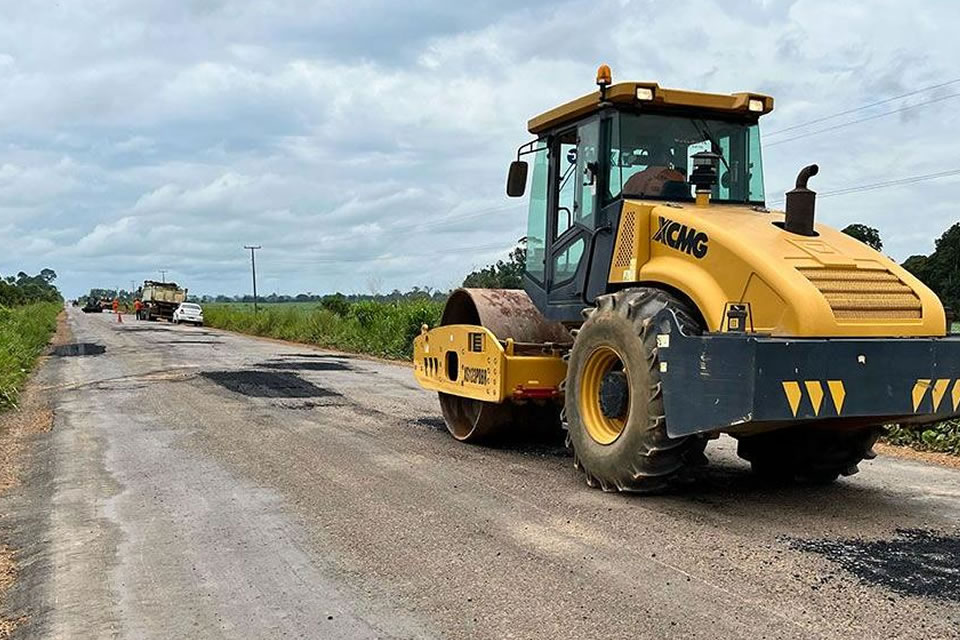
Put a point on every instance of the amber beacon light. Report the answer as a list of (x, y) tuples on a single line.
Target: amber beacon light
[(604, 76)]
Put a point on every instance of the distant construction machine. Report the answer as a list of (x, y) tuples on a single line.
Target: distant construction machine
[(665, 304), (92, 305)]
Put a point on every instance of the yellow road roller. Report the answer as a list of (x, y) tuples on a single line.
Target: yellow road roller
[(664, 304)]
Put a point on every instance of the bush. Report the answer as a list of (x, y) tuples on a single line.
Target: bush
[(24, 332), (337, 303), (943, 437), (384, 329), (368, 313)]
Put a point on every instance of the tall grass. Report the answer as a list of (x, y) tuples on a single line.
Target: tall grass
[(384, 329), (24, 332)]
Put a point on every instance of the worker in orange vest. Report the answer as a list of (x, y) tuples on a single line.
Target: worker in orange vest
[(137, 305)]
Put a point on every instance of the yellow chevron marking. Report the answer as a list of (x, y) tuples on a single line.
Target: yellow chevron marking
[(838, 393), (956, 395), (792, 390), (919, 391), (939, 390), (815, 389)]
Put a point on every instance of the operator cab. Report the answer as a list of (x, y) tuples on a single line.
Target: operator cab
[(627, 140)]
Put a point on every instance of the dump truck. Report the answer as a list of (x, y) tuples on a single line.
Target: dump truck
[(160, 300), (664, 303)]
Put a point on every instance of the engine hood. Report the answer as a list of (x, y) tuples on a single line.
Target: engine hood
[(791, 285)]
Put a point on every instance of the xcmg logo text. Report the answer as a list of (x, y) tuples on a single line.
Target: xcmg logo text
[(682, 238)]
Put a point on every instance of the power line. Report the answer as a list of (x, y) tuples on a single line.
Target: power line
[(458, 218), (880, 185), (413, 228), (859, 120), (862, 107), (381, 257)]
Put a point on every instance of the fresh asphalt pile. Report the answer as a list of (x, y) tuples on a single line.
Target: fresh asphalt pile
[(914, 562)]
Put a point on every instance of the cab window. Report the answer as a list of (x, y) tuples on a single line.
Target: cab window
[(566, 182), (537, 216), (650, 157)]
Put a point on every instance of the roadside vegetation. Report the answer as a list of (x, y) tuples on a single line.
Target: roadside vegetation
[(942, 438), (29, 306), (380, 328)]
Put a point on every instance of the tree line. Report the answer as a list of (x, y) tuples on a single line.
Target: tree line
[(415, 293), (24, 289), (940, 271)]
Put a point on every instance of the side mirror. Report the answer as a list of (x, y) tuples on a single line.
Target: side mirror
[(517, 179)]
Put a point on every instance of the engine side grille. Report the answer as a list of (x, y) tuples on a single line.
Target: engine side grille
[(626, 244), (863, 294)]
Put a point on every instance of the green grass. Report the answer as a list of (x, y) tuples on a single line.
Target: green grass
[(943, 437), (384, 329), (24, 332)]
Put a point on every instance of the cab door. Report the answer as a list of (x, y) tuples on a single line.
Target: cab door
[(572, 215)]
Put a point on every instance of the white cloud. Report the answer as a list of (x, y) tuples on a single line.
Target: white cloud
[(140, 136)]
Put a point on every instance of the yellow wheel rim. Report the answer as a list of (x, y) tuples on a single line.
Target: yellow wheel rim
[(600, 362)]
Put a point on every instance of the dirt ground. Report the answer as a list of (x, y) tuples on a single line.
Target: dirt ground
[(33, 416)]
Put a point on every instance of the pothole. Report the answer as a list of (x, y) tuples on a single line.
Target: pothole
[(79, 349), (267, 384), (436, 424)]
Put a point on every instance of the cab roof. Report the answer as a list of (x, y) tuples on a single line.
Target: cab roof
[(651, 96)]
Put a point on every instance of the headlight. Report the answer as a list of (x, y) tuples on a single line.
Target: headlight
[(755, 104), (644, 94)]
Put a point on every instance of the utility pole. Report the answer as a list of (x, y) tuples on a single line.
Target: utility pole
[(163, 275), (253, 269)]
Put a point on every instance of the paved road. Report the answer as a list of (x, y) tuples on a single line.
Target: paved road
[(200, 484)]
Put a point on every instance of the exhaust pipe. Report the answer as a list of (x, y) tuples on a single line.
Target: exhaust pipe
[(801, 203)]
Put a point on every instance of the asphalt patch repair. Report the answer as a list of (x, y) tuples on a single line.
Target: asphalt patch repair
[(914, 563), (267, 384), (79, 349)]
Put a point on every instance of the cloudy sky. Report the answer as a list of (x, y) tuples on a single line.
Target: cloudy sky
[(365, 143)]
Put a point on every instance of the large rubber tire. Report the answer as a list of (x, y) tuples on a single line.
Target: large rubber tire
[(632, 453), (815, 455)]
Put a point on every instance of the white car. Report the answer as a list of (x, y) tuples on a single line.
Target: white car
[(188, 312)]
